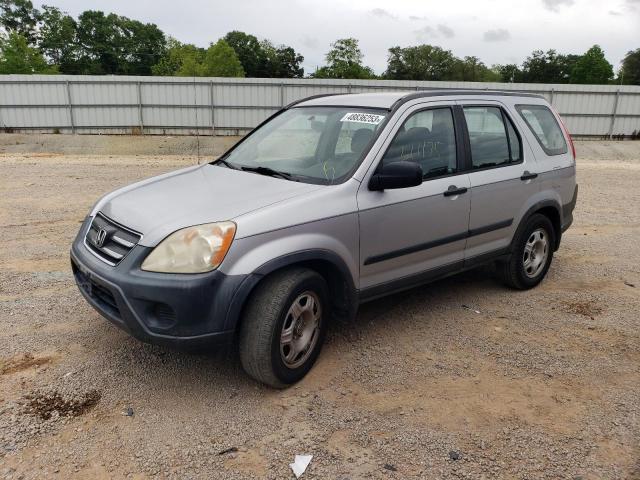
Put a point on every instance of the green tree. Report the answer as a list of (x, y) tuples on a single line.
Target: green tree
[(630, 71), (19, 16), (540, 67), (592, 68), (421, 62), (110, 44), (192, 66), (549, 67), (344, 60), (566, 64), (262, 59), (288, 63), (282, 61), (16, 56), (57, 39), (509, 73), (144, 44), (180, 59), (221, 61), (249, 52), (472, 69)]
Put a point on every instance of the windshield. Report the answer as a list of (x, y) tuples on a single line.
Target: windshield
[(308, 144)]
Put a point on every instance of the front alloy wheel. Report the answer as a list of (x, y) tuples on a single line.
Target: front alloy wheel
[(300, 330), (283, 327)]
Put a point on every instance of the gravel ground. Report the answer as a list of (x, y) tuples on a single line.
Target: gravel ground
[(538, 384)]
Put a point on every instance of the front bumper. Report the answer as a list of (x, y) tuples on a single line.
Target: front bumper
[(180, 310)]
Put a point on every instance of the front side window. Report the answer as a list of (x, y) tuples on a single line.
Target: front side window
[(492, 137), (427, 138), (310, 144), (545, 128)]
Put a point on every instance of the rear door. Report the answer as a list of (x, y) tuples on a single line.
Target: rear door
[(502, 173), (409, 231)]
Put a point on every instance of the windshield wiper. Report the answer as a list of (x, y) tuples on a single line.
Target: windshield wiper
[(226, 164), (270, 172)]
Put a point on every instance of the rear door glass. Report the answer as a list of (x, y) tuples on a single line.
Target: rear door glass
[(493, 140), (544, 127)]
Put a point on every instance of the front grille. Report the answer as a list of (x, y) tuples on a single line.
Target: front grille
[(109, 240)]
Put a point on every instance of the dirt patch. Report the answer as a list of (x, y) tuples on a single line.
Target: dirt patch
[(46, 404), (588, 308), (249, 462), (20, 363)]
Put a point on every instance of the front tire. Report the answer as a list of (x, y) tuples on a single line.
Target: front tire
[(284, 326), (531, 254)]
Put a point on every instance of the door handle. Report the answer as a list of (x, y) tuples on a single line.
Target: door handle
[(527, 175), (453, 190)]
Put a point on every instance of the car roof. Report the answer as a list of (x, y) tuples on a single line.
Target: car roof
[(389, 100)]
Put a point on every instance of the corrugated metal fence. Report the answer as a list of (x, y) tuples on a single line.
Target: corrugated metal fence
[(224, 106)]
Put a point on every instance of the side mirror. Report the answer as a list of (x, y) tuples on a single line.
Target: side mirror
[(396, 175)]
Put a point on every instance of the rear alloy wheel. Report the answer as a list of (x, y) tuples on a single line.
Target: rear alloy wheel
[(536, 251), (284, 326), (532, 252)]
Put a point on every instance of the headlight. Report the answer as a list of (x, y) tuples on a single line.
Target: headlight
[(192, 250)]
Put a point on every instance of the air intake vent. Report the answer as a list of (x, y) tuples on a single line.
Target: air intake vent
[(109, 240)]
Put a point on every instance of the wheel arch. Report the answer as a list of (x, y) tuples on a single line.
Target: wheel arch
[(550, 209), (327, 263)]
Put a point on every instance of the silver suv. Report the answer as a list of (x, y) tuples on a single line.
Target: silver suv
[(333, 201)]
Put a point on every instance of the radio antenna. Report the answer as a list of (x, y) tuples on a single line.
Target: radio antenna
[(195, 106)]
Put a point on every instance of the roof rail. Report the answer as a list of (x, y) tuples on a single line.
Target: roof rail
[(312, 97), (439, 92)]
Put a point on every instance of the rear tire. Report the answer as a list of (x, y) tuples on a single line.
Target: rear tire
[(531, 254), (284, 326)]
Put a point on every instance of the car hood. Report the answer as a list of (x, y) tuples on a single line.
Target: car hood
[(161, 205)]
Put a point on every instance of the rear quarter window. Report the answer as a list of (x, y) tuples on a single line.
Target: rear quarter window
[(544, 127)]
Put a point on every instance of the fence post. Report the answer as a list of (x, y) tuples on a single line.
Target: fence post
[(551, 97), (140, 119), (213, 108), (613, 114), (70, 108), (282, 94)]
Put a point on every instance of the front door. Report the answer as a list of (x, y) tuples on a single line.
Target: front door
[(407, 232)]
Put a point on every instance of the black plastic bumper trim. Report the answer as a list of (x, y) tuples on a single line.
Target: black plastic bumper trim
[(411, 281), (436, 243)]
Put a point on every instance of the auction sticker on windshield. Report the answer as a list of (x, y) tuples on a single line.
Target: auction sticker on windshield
[(370, 118)]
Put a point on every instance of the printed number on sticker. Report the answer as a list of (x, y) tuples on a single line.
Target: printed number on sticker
[(370, 118)]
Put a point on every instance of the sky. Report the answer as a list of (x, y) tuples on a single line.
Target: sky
[(496, 31)]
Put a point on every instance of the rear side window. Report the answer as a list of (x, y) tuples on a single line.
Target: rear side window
[(545, 128), (428, 138), (493, 139)]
